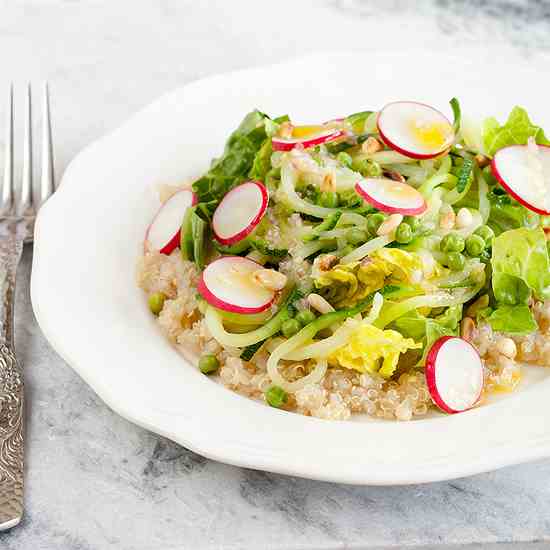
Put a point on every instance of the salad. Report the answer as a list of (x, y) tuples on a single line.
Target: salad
[(385, 263)]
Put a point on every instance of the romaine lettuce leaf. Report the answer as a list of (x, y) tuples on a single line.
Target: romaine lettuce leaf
[(429, 329), (513, 319), (520, 262), (517, 129), (506, 213), (237, 159)]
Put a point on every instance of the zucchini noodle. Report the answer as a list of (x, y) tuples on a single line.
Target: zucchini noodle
[(325, 347), (366, 249), (484, 204), (443, 299)]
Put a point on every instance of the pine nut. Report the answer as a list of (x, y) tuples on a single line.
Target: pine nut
[(482, 161), (319, 303), (270, 279), (464, 218), (285, 129), (390, 224), (395, 176), (447, 218), (328, 183), (507, 347), (467, 327), (371, 145), (327, 261)]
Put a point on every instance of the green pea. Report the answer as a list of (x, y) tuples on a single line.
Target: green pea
[(413, 221), (475, 245), (374, 221), (456, 261), (486, 233), (356, 236), (208, 364), (344, 159), (403, 233), (452, 242), (305, 317), (328, 199), (276, 396), (156, 302), (290, 327)]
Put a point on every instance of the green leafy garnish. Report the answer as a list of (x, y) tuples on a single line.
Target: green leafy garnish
[(516, 131), (520, 265), (513, 319), (237, 159), (262, 246), (464, 175), (327, 225)]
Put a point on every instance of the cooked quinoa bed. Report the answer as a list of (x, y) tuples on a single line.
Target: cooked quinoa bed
[(342, 392)]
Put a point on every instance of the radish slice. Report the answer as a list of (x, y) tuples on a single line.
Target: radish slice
[(391, 196), (227, 284), (306, 136), (164, 232), (414, 129), (454, 374), (524, 171), (239, 212)]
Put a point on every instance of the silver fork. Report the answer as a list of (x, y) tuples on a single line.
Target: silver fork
[(17, 215)]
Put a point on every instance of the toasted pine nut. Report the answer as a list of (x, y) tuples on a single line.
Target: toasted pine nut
[(328, 183), (467, 327), (326, 261), (507, 347), (390, 224), (447, 218), (319, 303), (395, 176), (285, 129), (480, 303), (464, 218), (482, 161), (269, 278), (371, 145)]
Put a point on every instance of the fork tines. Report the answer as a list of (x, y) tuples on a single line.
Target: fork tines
[(24, 205)]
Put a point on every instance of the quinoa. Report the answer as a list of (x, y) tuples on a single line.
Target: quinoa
[(342, 392)]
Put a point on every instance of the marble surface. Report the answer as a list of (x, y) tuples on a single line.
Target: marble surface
[(95, 481)]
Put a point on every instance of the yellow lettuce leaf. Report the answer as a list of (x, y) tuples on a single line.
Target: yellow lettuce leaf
[(370, 349)]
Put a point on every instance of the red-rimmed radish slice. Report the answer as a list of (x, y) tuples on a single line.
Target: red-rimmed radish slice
[(307, 136), (391, 196), (164, 232), (239, 212), (414, 129), (524, 171), (454, 374), (227, 284)]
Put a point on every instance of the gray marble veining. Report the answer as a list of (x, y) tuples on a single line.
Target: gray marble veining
[(95, 481)]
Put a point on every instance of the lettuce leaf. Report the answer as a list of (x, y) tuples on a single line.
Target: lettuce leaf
[(429, 329), (237, 159), (520, 264), (506, 213), (513, 319), (517, 129)]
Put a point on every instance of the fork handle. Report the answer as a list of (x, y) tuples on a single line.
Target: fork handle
[(11, 386)]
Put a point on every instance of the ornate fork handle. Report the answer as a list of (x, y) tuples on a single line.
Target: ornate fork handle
[(11, 381)]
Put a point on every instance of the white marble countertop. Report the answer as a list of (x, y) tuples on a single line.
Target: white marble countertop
[(95, 481)]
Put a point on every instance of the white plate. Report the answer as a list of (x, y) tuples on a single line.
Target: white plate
[(89, 234)]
